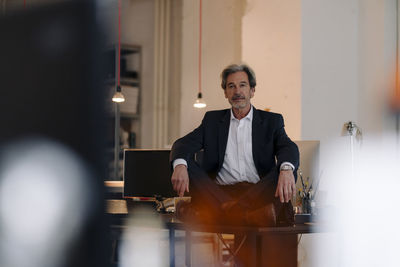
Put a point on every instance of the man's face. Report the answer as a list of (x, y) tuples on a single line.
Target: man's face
[(238, 91)]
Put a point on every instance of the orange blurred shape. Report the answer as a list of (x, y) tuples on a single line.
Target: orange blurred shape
[(395, 101), (395, 97)]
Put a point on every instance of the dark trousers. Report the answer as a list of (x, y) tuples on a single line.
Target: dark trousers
[(208, 196)]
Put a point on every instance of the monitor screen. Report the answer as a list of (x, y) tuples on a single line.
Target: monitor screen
[(147, 173)]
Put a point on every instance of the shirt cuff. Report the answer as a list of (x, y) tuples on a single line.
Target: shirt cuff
[(288, 163), (179, 161)]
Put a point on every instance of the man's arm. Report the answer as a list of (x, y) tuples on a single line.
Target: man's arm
[(286, 187), (180, 179), (186, 146), (182, 150), (286, 152), (285, 149)]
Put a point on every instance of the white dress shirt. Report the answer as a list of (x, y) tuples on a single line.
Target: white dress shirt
[(238, 163)]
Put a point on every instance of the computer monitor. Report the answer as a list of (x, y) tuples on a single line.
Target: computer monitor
[(147, 173)]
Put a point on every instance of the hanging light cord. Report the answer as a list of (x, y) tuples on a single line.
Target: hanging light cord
[(200, 37), (119, 41)]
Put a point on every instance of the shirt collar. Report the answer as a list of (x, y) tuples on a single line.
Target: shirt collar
[(249, 115)]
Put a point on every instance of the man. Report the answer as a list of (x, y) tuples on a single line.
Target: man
[(248, 161)]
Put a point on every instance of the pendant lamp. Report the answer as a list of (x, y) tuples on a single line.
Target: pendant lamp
[(199, 103), (118, 97)]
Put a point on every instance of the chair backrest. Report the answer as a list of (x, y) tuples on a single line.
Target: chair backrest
[(309, 162)]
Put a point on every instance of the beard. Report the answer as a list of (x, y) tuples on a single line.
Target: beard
[(239, 105)]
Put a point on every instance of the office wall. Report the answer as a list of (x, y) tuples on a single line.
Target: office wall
[(377, 59), (348, 55), (330, 71), (320, 63), (264, 34), (271, 44), (221, 46)]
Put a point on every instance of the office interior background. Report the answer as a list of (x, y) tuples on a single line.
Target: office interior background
[(319, 63)]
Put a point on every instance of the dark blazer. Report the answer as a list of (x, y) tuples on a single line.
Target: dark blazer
[(271, 145)]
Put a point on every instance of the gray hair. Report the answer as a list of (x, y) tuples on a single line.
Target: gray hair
[(236, 68)]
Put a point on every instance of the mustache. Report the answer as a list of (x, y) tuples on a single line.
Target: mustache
[(237, 97)]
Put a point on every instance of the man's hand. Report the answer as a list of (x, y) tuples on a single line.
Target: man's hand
[(180, 179), (286, 187)]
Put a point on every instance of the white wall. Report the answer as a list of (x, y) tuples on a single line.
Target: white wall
[(377, 59), (329, 67), (221, 46), (330, 75), (271, 44), (347, 58), (264, 34), (348, 52)]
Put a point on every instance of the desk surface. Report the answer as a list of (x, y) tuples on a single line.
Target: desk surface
[(118, 213), (170, 222), (296, 229)]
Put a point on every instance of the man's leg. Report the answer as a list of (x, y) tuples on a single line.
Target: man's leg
[(263, 193), (207, 196), (260, 194), (203, 187)]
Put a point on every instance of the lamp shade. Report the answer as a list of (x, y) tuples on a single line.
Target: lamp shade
[(199, 103), (118, 97)]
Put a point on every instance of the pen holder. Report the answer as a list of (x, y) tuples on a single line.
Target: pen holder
[(306, 205)]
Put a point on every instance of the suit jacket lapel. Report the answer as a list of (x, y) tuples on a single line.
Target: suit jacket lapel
[(256, 135), (223, 132)]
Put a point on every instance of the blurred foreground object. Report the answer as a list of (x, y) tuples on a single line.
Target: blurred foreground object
[(366, 232), (44, 200), (51, 142), (142, 240)]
